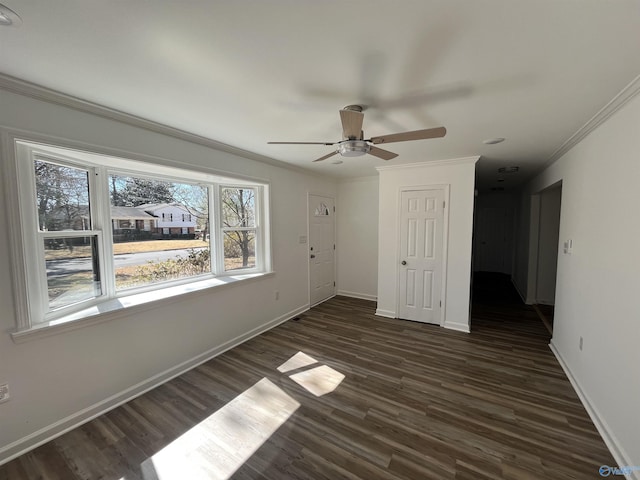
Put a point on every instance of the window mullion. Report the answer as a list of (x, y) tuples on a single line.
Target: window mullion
[(101, 218), (216, 235), (239, 229), (36, 272), (259, 253)]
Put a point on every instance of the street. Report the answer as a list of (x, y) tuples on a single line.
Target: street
[(59, 268)]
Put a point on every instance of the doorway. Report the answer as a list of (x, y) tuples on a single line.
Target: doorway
[(421, 255), (547, 259), (322, 226)]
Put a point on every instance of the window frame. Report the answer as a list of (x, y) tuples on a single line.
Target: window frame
[(221, 229), (167, 283), (30, 270)]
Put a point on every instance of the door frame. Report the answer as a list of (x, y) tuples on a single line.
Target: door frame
[(530, 296), (335, 254), (445, 187)]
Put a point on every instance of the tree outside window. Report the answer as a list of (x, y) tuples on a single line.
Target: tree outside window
[(238, 205)]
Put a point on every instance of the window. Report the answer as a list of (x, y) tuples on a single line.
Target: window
[(238, 226), (321, 210), (89, 233), (139, 257), (65, 234)]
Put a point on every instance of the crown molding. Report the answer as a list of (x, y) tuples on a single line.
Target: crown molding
[(620, 100), (435, 163), (32, 90)]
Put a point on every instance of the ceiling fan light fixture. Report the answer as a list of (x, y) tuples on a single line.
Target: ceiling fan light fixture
[(354, 144), (353, 148), (9, 18), (493, 141)]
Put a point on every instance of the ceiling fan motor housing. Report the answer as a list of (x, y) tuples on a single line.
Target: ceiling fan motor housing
[(353, 148)]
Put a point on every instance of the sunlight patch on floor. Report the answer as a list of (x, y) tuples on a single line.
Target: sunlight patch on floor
[(299, 360), (319, 380), (220, 444)]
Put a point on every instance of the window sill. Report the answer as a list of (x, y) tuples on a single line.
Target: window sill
[(128, 305)]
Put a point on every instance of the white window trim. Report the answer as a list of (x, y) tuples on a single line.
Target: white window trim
[(26, 272), (259, 239), (132, 305)]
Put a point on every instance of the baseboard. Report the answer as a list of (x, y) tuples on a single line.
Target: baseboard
[(607, 435), (362, 296), (522, 296), (543, 318), (548, 303), (385, 313), (458, 327), (61, 427)]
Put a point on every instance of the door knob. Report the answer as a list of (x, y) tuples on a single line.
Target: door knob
[(404, 262), (313, 256)]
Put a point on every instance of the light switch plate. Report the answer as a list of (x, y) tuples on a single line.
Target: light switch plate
[(568, 247), (4, 392)]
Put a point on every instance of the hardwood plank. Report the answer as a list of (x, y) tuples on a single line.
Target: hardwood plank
[(416, 401)]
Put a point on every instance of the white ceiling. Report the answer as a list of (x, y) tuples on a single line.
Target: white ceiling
[(244, 72)]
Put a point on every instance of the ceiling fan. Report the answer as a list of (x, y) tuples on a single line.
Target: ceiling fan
[(354, 144)]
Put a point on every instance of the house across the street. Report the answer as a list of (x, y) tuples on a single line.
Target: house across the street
[(131, 223), (142, 222), (170, 218)]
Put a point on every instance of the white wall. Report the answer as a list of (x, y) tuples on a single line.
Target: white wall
[(59, 380), (459, 175), (598, 284), (358, 237), (521, 247), (548, 231)]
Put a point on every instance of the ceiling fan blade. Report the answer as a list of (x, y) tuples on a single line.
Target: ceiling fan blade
[(351, 124), (326, 156), (300, 143), (406, 136), (383, 154)]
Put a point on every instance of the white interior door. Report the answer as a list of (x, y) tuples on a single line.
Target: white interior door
[(421, 247), (321, 248)]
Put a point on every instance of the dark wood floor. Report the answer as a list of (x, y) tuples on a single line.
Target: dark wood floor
[(416, 402)]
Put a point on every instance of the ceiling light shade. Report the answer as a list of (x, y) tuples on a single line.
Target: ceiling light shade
[(8, 17), (508, 169), (493, 141), (353, 148)]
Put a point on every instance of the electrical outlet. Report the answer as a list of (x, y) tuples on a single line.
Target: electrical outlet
[(580, 343), (4, 392)]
